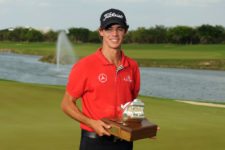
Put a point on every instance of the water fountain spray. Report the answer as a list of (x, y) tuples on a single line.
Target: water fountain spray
[(64, 51)]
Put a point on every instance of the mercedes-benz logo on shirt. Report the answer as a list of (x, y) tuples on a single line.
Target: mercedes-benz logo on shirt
[(102, 77)]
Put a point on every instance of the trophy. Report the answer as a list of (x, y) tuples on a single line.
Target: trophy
[(131, 123)]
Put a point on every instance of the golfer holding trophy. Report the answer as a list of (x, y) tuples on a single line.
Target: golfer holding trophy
[(107, 82)]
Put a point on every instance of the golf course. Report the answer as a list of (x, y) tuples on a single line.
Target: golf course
[(31, 115), (31, 118), (210, 56)]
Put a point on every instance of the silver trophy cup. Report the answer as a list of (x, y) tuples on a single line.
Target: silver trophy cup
[(133, 111)]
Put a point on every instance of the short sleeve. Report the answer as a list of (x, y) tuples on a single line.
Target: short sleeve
[(77, 81)]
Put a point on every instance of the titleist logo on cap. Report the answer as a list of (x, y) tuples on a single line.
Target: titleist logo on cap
[(112, 14)]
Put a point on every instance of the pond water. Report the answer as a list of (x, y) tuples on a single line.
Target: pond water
[(189, 84), (183, 84)]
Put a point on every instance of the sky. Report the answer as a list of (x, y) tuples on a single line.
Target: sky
[(64, 14)]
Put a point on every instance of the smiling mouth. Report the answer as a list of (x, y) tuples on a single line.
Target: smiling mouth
[(114, 40)]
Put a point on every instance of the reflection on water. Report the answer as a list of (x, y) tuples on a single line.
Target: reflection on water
[(169, 83)]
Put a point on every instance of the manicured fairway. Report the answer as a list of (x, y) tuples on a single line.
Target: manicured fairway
[(31, 118), (148, 55), (138, 51)]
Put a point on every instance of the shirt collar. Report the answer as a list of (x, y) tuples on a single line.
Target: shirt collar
[(124, 61)]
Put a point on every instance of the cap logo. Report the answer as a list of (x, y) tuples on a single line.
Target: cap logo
[(112, 14)]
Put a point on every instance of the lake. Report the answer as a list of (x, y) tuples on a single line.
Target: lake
[(182, 84)]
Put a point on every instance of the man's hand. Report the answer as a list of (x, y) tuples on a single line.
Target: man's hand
[(100, 127)]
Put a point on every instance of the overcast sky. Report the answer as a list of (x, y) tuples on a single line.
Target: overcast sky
[(64, 14)]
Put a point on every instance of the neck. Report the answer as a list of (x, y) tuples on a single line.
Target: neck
[(112, 55)]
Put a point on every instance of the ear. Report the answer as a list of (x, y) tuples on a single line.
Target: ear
[(100, 31), (126, 30)]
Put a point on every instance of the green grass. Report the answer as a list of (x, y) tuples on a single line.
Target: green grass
[(171, 51), (149, 55), (31, 118), (139, 51)]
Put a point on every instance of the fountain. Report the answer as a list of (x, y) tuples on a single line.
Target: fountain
[(65, 56)]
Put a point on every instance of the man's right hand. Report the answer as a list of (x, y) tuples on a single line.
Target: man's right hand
[(100, 127)]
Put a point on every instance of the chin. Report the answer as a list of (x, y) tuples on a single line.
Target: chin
[(115, 46)]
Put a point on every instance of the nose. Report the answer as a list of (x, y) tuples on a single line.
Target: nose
[(114, 32)]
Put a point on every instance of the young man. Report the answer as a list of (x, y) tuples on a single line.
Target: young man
[(104, 81)]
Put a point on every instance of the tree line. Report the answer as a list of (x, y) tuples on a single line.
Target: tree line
[(204, 34)]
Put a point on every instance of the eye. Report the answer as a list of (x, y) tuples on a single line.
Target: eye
[(109, 29), (120, 29)]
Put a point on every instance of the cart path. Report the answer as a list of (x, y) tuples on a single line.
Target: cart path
[(202, 103)]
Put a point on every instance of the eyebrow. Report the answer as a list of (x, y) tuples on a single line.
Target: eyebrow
[(119, 26)]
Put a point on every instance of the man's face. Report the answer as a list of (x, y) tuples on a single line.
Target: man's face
[(113, 36)]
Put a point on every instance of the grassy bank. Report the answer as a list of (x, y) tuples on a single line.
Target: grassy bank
[(31, 118), (149, 55)]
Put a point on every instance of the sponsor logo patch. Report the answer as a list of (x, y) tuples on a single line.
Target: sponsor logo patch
[(102, 78), (127, 78)]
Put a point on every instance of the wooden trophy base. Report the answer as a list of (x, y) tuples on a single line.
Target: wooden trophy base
[(131, 131)]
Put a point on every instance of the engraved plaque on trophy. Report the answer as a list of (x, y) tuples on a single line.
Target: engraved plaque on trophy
[(132, 124)]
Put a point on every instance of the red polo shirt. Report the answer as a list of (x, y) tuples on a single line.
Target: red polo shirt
[(102, 86)]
